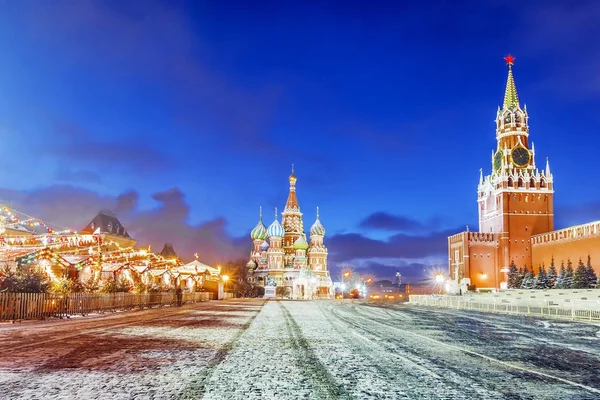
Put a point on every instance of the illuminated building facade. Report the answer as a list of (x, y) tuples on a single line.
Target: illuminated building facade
[(516, 210)]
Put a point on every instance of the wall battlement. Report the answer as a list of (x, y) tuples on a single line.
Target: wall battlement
[(589, 230)]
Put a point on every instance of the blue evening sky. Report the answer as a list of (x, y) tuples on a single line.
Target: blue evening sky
[(185, 116)]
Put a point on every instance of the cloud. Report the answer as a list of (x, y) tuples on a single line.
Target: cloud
[(352, 246), (79, 145), (385, 221), (67, 206), (77, 176)]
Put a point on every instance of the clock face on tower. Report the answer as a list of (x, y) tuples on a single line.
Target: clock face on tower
[(498, 160), (520, 156)]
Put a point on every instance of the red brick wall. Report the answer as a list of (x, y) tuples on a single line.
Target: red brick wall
[(572, 245)]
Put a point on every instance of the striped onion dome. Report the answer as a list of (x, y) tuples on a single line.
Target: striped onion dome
[(300, 243), (264, 246), (259, 232), (251, 264), (317, 228), (275, 230)]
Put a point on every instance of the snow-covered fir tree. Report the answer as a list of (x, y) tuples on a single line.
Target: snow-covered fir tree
[(512, 276), (560, 280), (568, 281), (541, 280), (528, 280), (552, 275), (520, 277), (580, 277), (591, 274)]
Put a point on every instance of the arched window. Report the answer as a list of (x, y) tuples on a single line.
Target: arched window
[(532, 183), (543, 183), (520, 182), (510, 182)]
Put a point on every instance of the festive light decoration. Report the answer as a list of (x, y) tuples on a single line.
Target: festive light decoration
[(54, 247)]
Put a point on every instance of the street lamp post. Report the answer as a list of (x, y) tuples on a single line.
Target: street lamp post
[(439, 280), (344, 275)]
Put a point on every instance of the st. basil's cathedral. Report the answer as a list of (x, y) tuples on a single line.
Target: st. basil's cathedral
[(282, 261)]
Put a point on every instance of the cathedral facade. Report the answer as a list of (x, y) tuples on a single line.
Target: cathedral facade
[(283, 262), (516, 210)]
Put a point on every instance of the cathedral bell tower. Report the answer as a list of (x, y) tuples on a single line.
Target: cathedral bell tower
[(291, 221), (516, 199)]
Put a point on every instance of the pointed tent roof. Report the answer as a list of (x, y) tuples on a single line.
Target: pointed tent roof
[(168, 251), (107, 222), (292, 200), (196, 267), (511, 98)]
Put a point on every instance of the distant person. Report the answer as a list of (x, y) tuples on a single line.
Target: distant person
[(179, 294)]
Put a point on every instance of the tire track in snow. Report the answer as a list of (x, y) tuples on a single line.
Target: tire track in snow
[(197, 388), (493, 360), (325, 384), (449, 387)]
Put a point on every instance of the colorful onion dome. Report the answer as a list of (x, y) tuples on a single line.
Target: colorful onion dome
[(251, 264), (275, 229), (300, 243), (264, 246), (317, 228), (292, 177), (260, 231)]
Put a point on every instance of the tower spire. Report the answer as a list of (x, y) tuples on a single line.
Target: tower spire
[(547, 167), (275, 212), (511, 99), (260, 213), (317, 212), (292, 200)]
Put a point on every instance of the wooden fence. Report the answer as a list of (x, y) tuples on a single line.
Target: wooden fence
[(22, 306)]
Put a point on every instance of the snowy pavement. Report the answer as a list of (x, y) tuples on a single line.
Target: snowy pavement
[(301, 350), (152, 354), (331, 350)]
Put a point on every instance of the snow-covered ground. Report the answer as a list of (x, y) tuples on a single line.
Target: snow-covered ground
[(153, 354), (302, 350)]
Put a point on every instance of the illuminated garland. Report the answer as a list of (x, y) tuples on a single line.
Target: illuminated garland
[(43, 246), (8, 214)]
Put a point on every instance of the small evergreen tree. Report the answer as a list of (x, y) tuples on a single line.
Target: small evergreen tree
[(519, 278), (580, 277), (560, 280), (541, 280), (512, 276), (591, 274), (528, 280), (552, 275), (568, 281), (26, 279)]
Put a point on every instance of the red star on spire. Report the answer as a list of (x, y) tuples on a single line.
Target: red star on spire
[(509, 60)]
